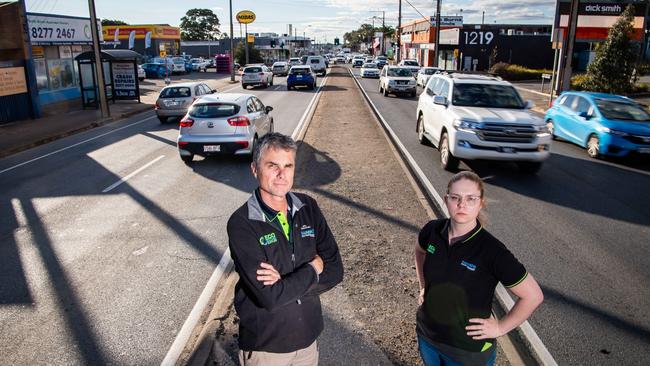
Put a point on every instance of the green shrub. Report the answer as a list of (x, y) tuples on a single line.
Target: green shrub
[(580, 82), (516, 72)]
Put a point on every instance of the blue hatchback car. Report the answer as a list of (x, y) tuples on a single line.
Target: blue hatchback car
[(605, 124), (301, 75), (156, 70)]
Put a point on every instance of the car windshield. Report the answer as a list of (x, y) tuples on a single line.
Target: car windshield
[(612, 109), (381, 57), (315, 61), (369, 66), (429, 71), (178, 61), (410, 63), (486, 95), (252, 70), (399, 72), (196, 60), (213, 110), (299, 71), (176, 92)]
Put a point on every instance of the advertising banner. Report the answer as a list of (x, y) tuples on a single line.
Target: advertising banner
[(12, 81), (131, 40), (124, 80), (58, 30), (147, 40)]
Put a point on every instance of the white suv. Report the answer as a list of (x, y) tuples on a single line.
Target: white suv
[(317, 64), (470, 116)]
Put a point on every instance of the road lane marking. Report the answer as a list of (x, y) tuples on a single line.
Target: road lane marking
[(124, 179), (502, 295), (75, 145), (193, 319)]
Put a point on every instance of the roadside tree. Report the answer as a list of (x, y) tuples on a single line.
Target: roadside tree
[(612, 70), (113, 22), (199, 25), (254, 56)]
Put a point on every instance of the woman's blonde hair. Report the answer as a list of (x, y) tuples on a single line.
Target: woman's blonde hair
[(472, 177)]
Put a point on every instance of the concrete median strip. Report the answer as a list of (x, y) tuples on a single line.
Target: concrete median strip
[(533, 343)]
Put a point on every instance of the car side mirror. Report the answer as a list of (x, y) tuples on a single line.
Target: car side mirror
[(268, 109), (429, 92), (213, 91), (529, 104), (439, 99), (585, 115)]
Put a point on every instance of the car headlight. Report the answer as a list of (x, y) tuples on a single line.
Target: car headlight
[(411, 82), (468, 126), (391, 82), (542, 130), (611, 131)]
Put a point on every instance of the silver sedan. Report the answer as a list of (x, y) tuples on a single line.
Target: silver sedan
[(174, 99), (224, 123)]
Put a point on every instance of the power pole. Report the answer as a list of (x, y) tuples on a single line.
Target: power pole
[(246, 41), (399, 33), (437, 49), (568, 55), (99, 70), (232, 50)]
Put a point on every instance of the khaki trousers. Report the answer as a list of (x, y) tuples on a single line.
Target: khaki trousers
[(302, 357)]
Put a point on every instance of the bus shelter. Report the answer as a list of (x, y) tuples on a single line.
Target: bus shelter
[(120, 76)]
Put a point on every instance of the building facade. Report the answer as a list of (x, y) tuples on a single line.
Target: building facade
[(146, 39)]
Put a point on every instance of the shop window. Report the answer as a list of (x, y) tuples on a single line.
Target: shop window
[(60, 73), (41, 73)]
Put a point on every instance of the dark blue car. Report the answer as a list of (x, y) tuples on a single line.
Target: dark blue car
[(604, 124), (301, 75), (156, 70)]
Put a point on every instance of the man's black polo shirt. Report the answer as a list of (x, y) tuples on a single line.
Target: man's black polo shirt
[(459, 283)]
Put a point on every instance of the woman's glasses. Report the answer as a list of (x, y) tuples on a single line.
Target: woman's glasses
[(470, 201)]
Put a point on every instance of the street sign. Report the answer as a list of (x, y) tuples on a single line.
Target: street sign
[(557, 38), (163, 53), (245, 17), (251, 38)]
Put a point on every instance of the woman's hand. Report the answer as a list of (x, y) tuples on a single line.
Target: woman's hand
[(484, 328), (421, 297)]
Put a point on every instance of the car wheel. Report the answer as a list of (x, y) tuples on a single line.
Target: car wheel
[(187, 159), (413, 94), (381, 90), (288, 87), (162, 120), (593, 146), (530, 167), (551, 128), (141, 79), (420, 129), (271, 81), (447, 160), (385, 92)]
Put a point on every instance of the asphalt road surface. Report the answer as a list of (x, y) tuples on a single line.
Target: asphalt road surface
[(580, 226), (94, 271)]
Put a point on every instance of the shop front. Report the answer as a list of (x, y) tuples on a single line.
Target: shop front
[(148, 40), (55, 41)]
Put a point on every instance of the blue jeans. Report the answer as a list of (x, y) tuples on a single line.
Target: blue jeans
[(431, 356)]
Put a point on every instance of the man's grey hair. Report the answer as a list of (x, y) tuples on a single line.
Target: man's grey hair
[(272, 140)]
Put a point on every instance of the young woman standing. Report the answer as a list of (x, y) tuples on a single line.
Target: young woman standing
[(459, 265)]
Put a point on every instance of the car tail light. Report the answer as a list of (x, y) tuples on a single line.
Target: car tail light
[(239, 121), (243, 144), (183, 143), (157, 105), (187, 122), (261, 74)]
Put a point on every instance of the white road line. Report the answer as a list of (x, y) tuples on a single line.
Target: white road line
[(124, 179), (193, 319), (502, 295), (75, 145), (195, 315)]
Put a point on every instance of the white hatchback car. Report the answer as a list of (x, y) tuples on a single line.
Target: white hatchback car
[(224, 123), (256, 75), (469, 116)]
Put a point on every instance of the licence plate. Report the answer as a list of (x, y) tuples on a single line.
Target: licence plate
[(644, 150), (508, 150), (211, 148), (298, 76)]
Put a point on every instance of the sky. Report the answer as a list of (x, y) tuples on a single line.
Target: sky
[(322, 20)]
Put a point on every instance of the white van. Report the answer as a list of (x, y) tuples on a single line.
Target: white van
[(317, 64)]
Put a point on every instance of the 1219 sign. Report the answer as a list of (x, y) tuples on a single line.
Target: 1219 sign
[(478, 37)]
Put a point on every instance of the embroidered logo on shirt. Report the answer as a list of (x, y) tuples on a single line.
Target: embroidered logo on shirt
[(431, 248), (307, 231), (468, 265), (268, 239)]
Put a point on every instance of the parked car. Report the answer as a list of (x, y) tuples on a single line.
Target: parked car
[(294, 61), (423, 75), (224, 123), (141, 73), (317, 64), (470, 116), (301, 75), (397, 80), (174, 99), (179, 65), (199, 64), (256, 75), (280, 68), (381, 61), (369, 70), (604, 124), (412, 65), (156, 70)]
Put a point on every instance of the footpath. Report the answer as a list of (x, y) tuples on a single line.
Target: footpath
[(22, 135), (375, 211)]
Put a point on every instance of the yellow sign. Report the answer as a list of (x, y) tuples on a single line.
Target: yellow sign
[(157, 31), (12, 81), (245, 17), (38, 52), (163, 53), (251, 38)]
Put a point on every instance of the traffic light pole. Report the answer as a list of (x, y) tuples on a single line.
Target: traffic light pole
[(232, 50)]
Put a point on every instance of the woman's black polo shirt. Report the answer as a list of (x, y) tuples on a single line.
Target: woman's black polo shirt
[(459, 283)]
